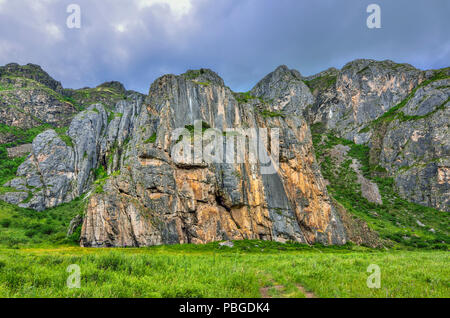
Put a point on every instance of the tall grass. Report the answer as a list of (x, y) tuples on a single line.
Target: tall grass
[(212, 272)]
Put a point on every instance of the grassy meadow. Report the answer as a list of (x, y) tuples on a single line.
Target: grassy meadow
[(250, 269)]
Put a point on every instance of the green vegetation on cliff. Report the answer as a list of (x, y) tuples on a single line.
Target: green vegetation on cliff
[(83, 98), (322, 82), (397, 220), (396, 111)]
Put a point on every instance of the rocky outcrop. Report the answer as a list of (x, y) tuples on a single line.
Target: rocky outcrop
[(155, 199), (108, 94), (400, 112), (357, 231), (61, 167), (415, 148), (360, 93), (33, 72), (32, 101), (46, 175), (19, 151), (166, 168), (25, 103), (284, 89)]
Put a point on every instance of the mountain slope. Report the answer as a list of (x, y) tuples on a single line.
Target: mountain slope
[(373, 199)]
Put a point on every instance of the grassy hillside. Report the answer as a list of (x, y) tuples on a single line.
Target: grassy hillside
[(24, 228)]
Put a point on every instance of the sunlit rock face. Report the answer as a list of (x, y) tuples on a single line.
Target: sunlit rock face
[(153, 198), (360, 93)]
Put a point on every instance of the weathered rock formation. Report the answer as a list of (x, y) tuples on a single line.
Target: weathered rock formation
[(30, 71), (401, 113), (29, 98), (155, 200), (360, 93), (146, 196), (144, 163), (19, 151)]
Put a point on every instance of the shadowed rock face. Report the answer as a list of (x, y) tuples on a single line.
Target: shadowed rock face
[(25, 103), (30, 101), (30, 98), (33, 72), (415, 148)]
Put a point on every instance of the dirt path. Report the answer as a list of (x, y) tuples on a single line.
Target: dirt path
[(306, 293), (265, 291)]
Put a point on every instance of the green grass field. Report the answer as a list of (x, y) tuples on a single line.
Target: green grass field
[(250, 269)]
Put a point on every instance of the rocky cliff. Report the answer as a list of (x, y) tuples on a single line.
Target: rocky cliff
[(29, 98), (153, 199), (401, 113), (165, 168), (31, 101)]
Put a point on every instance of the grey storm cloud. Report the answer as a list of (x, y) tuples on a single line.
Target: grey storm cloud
[(136, 41)]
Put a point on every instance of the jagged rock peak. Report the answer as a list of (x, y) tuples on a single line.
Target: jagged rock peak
[(31, 71), (117, 86), (204, 75), (282, 72), (284, 69), (332, 71), (286, 89), (360, 65)]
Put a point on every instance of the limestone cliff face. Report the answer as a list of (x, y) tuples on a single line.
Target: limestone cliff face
[(142, 188), (415, 148), (146, 168), (401, 113), (157, 200), (57, 171), (360, 93)]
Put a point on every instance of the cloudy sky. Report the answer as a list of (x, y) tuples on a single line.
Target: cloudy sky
[(136, 41)]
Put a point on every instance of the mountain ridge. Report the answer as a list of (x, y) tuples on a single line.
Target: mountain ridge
[(117, 161)]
